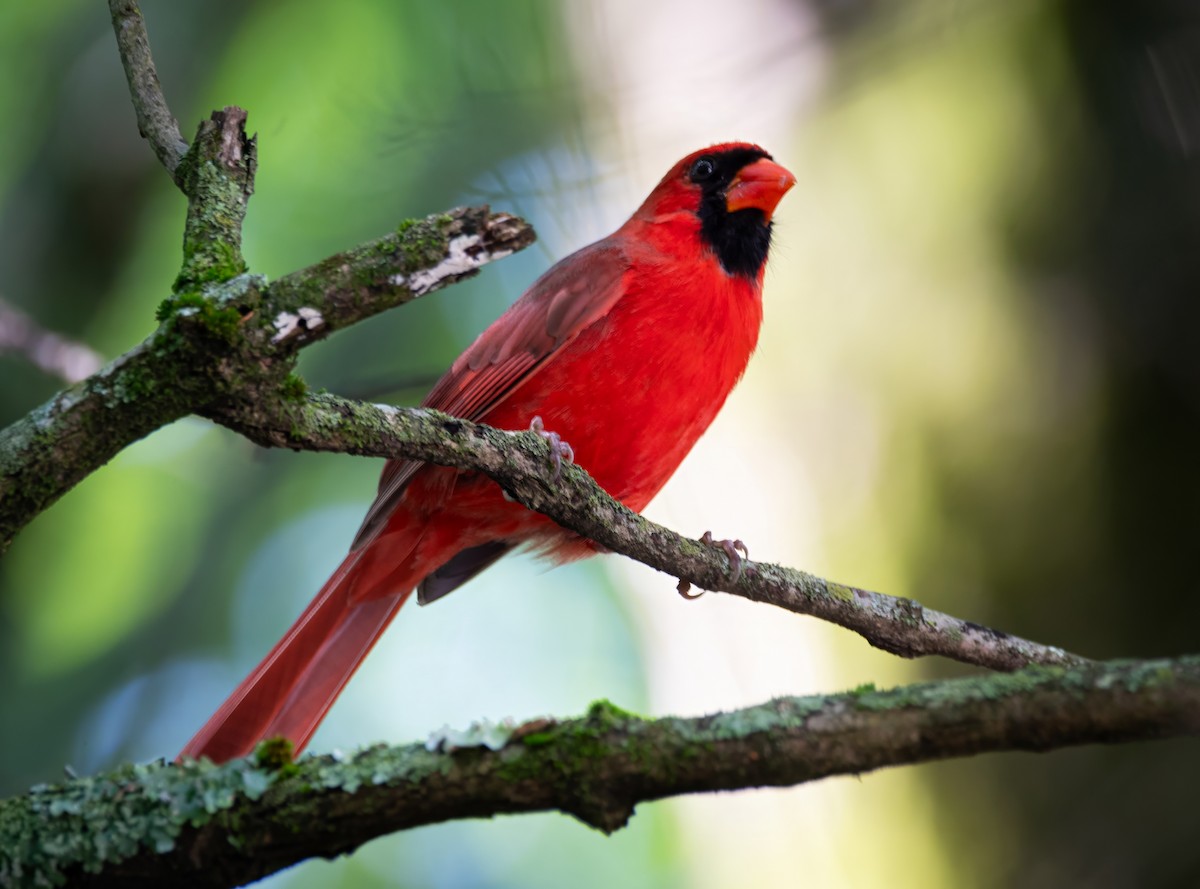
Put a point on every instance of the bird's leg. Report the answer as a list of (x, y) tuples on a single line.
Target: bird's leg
[(559, 449)]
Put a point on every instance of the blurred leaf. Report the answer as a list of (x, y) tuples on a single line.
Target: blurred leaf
[(94, 567)]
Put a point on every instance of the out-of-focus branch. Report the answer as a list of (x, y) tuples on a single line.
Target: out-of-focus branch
[(200, 825), (46, 350), (155, 121)]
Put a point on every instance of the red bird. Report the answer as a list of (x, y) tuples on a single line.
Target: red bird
[(627, 349)]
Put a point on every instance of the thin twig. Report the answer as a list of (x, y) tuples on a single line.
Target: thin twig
[(155, 121)]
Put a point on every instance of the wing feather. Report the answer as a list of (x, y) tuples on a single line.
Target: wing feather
[(568, 298)]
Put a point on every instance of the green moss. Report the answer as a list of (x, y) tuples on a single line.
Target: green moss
[(607, 714), (294, 387), (217, 196), (564, 750), (165, 309), (222, 320), (276, 755), (423, 243), (840, 591), (208, 260), (364, 272), (132, 385)]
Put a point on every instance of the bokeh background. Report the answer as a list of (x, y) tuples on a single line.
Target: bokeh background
[(978, 385)]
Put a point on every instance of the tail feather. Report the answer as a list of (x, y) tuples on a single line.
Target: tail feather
[(291, 690), (331, 668)]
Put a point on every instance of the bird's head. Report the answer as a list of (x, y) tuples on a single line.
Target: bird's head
[(732, 189)]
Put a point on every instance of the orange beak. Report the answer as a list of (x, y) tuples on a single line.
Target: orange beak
[(760, 186)]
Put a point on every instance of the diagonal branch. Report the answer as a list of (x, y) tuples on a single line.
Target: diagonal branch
[(200, 825), (155, 121), (518, 461)]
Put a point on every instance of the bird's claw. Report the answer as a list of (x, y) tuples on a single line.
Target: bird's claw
[(736, 551), (559, 449)]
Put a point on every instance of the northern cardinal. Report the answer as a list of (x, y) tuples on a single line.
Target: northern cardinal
[(626, 349)]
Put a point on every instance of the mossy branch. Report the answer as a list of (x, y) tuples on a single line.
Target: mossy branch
[(200, 825), (232, 340), (217, 175)]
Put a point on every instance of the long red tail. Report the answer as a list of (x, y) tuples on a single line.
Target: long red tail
[(289, 693)]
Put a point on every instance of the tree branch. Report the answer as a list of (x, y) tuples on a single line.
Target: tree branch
[(200, 825), (217, 175), (155, 121), (519, 463), (232, 340)]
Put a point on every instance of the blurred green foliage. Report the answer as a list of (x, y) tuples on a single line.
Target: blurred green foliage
[(994, 234), (367, 113)]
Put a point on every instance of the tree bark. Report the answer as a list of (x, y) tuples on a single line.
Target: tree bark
[(200, 825)]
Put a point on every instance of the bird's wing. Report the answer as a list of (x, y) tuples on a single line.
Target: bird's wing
[(568, 298)]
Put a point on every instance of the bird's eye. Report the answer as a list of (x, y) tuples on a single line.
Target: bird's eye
[(702, 169)]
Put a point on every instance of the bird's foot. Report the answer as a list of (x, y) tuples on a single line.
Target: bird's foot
[(735, 551), (559, 449)]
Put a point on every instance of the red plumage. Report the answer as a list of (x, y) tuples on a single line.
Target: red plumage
[(627, 349)]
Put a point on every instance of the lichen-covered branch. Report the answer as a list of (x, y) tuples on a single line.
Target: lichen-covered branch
[(200, 825), (421, 256), (519, 462), (155, 121), (231, 341)]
